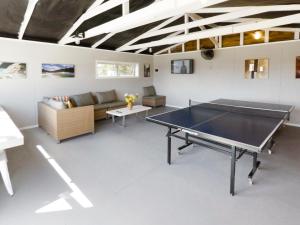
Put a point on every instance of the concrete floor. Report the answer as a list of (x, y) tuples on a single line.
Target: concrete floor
[(124, 176)]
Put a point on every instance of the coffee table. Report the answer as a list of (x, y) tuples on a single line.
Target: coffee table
[(123, 112)]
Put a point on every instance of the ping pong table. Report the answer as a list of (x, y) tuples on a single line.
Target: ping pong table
[(228, 126)]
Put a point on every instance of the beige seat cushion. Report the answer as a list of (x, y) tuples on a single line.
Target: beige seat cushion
[(101, 106), (117, 104), (154, 97), (109, 105)]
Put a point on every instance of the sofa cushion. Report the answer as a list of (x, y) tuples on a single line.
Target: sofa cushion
[(149, 91), (101, 106), (109, 105), (106, 96), (117, 104), (154, 97), (82, 99)]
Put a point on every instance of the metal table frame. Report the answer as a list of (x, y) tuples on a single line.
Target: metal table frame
[(235, 152)]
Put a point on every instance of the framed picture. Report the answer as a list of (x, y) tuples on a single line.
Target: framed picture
[(256, 69), (182, 66), (298, 67), (147, 71), (13, 70), (58, 70)]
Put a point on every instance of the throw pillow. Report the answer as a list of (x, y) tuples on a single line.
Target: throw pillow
[(56, 104), (106, 96), (82, 99)]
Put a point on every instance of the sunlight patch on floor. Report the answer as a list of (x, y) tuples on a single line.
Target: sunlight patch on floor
[(61, 204), (56, 206)]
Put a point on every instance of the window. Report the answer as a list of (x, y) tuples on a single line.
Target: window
[(106, 69)]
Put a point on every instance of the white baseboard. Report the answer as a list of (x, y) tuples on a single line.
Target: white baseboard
[(29, 127)]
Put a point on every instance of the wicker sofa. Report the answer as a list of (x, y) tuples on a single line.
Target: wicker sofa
[(65, 123), (62, 123)]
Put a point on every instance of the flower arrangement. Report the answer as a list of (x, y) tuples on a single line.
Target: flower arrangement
[(130, 99)]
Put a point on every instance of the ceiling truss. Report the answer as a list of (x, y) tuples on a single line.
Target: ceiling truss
[(241, 25), (240, 19), (158, 10)]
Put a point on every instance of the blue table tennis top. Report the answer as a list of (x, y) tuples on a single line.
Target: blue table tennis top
[(242, 127), (254, 105)]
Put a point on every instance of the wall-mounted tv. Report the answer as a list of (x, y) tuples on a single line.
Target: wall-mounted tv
[(182, 66)]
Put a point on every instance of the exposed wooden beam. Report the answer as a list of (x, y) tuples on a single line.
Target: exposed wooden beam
[(285, 29), (242, 20), (96, 9), (186, 20), (125, 8), (96, 3), (27, 16), (223, 30), (163, 24), (198, 44), (220, 41), (171, 35), (167, 49), (103, 8), (267, 35), (224, 17), (232, 9), (220, 9), (242, 36), (125, 11), (108, 36), (186, 30), (158, 10), (196, 17)]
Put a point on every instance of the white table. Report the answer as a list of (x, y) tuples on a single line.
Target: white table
[(10, 136), (123, 112)]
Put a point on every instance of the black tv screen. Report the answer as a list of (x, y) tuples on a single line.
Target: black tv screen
[(182, 66)]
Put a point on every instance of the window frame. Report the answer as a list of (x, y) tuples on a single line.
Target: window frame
[(117, 63)]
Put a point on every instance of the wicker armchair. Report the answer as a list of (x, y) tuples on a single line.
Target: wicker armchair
[(150, 98)]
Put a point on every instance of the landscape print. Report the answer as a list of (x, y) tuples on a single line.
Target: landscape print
[(58, 70), (298, 67), (256, 69), (12, 70)]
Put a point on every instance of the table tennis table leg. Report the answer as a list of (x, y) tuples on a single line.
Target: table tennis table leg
[(232, 172), (169, 145), (186, 138), (270, 145), (255, 166)]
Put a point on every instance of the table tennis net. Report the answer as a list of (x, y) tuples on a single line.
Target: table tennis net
[(196, 105)]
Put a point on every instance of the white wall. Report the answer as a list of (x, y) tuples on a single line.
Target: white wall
[(20, 97), (223, 77), (220, 78)]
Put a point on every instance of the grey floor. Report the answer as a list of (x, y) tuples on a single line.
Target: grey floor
[(123, 173)]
